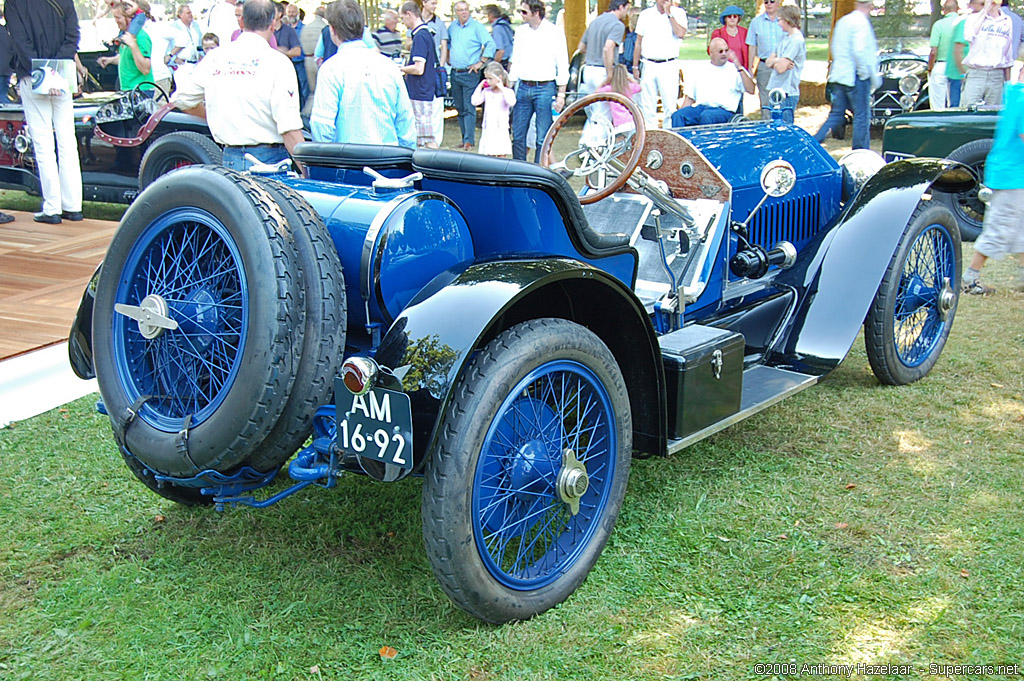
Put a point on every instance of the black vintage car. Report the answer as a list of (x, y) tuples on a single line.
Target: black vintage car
[(125, 141), (904, 88)]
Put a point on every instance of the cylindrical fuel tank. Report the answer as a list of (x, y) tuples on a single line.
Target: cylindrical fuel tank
[(391, 243)]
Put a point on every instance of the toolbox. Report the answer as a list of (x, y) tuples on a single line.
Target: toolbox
[(703, 377)]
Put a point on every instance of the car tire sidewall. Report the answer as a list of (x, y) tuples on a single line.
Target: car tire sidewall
[(266, 368), (972, 154), (184, 146)]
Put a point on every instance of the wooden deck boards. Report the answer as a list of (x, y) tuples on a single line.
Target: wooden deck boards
[(43, 271)]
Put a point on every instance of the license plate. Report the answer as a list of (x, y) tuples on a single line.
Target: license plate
[(377, 425)]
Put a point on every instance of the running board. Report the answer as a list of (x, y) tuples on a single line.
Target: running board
[(763, 386)]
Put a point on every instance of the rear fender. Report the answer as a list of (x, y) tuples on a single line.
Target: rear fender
[(80, 338), (840, 271), (434, 338)]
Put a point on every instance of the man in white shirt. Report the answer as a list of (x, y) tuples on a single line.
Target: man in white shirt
[(713, 94), (540, 64), (600, 45), (990, 34), (221, 21), (659, 32), (250, 91), (188, 41)]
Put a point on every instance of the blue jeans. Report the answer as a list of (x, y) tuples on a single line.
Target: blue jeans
[(954, 92), (234, 157), (463, 85), (531, 100), (788, 108), (300, 74), (700, 114), (858, 100)]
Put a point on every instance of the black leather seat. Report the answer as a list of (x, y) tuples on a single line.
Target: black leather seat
[(500, 172), (353, 156)]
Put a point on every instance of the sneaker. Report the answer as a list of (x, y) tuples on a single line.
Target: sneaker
[(72, 215), (976, 288), (47, 218)]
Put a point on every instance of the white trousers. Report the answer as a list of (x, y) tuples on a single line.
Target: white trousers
[(599, 116), (938, 87), (60, 174), (659, 79), (438, 119)]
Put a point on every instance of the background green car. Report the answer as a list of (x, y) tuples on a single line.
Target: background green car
[(960, 135)]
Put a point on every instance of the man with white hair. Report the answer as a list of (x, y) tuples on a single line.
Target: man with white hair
[(388, 41)]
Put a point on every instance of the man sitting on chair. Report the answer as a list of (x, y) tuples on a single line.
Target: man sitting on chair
[(715, 91)]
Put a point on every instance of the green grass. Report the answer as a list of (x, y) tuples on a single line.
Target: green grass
[(18, 200), (852, 523)]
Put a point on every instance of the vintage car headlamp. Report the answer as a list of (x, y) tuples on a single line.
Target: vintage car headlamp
[(910, 84), (985, 195), (906, 102), (858, 167)]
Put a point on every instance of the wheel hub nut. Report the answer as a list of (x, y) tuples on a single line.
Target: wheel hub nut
[(947, 298), (573, 481)]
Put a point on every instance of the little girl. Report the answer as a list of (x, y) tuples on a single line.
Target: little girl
[(498, 99), (622, 83)]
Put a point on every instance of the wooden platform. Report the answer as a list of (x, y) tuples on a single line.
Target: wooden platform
[(43, 271)]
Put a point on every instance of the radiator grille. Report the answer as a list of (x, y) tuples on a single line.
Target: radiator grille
[(795, 219)]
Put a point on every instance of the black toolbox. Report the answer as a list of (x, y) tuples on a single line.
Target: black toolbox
[(703, 377)]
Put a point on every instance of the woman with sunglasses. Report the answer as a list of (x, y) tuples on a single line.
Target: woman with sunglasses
[(734, 35)]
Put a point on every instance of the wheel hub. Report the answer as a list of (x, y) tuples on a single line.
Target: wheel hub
[(151, 315), (947, 299), (531, 471), (918, 294), (573, 481), (200, 317)]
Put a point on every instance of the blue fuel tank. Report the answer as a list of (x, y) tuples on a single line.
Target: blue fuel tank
[(391, 243)]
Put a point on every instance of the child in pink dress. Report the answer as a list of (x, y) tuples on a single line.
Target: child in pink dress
[(498, 99), (622, 83)]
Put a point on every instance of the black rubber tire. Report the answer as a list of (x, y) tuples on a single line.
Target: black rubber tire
[(174, 150), (968, 210), (879, 334), (450, 471), (186, 496), (251, 404), (325, 323)]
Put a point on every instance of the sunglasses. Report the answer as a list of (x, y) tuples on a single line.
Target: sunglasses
[(524, 12)]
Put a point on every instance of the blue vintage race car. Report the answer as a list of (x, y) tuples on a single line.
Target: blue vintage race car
[(477, 322)]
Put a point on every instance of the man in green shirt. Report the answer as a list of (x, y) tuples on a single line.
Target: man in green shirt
[(942, 46), (955, 69), (133, 64)]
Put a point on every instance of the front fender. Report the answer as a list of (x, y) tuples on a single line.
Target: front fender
[(433, 339), (842, 269), (80, 338)]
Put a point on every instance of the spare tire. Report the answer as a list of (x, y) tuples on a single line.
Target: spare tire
[(967, 208), (176, 150), (198, 322)]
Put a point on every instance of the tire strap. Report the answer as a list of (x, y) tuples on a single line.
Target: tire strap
[(121, 423), (181, 441)]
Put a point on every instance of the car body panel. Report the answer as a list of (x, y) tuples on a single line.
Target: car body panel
[(935, 133)]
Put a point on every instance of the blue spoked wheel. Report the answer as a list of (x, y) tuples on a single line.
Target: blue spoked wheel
[(913, 311), (197, 323), (529, 476)]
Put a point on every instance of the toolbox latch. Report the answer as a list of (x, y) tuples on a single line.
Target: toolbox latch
[(716, 364)]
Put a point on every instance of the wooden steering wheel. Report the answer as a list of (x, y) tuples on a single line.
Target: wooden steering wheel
[(600, 158)]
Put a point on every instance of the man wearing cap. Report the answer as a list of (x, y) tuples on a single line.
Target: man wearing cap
[(734, 35), (659, 32), (854, 75), (762, 41), (600, 44)]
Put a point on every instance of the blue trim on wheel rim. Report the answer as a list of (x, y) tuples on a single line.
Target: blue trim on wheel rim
[(918, 326), (525, 534), (189, 258)]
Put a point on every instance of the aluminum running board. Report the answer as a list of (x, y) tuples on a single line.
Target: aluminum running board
[(762, 387)]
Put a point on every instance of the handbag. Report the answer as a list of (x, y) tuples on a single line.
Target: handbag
[(440, 80)]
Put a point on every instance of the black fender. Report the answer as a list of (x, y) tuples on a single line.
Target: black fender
[(839, 272), (431, 342), (80, 338)]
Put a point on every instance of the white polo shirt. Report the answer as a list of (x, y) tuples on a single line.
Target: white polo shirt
[(250, 90), (659, 42), (539, 54)]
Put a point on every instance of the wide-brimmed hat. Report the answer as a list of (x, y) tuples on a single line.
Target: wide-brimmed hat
[(728, 12)]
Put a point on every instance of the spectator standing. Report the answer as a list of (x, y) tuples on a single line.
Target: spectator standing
[(420, 74), (941, 42), (1003, 230), (501, 33), (288, 44), (629, 42), (714, 92), (762, 40), (250, 91), (734, 35), (134, 66), (308, 38), (222, 21), (440, 34), (6, 70), (990, 34), (471, 47), (540, 63), (293, 18), (621, 83), (44, 30), (188, 39), (1017, 39), (161, 35), (386, 37), (600, 45), (360, 96), (497, 98), (854, 75), (659, 31), (787, 63), (957, 71), (210, 43)]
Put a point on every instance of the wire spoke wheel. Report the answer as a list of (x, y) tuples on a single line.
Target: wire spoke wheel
[(913, 311), (523, 490)]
